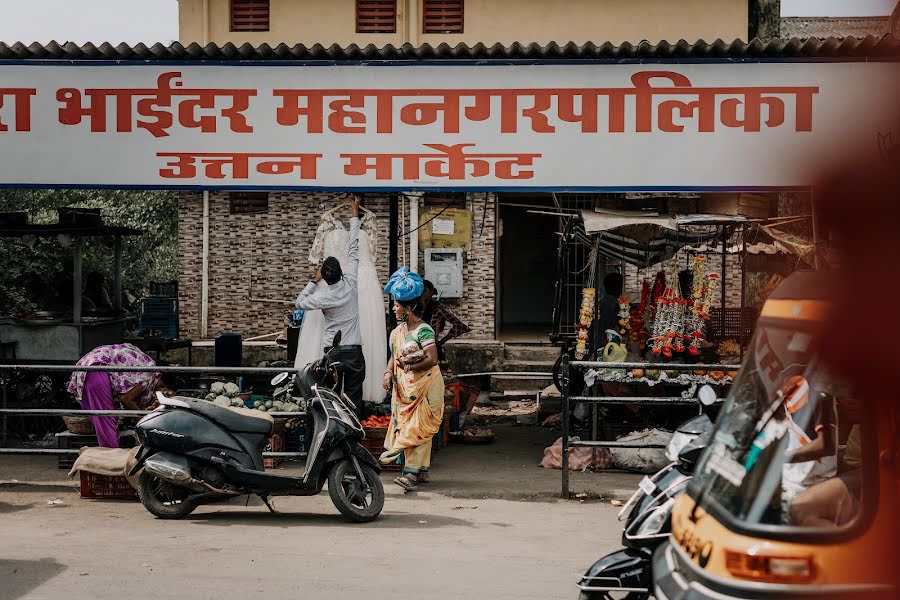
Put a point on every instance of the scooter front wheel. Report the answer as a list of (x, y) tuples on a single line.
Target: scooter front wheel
[(359, 501), (163, 499)]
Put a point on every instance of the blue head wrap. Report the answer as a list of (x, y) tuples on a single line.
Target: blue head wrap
[(405, 285)]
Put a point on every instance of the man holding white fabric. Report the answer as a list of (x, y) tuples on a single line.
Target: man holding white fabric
[(339, 303)]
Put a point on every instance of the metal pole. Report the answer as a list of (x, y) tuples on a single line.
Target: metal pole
[(723, 285), (566, 370), (4, 392), (76, 287), (204, 271), (117, 273)]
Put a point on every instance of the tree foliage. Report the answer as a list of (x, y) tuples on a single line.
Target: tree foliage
[(29, 273)]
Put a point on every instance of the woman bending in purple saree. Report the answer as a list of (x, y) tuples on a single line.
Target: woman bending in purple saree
[(97, 390)]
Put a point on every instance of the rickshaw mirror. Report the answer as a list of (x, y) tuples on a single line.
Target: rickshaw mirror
[(707, 395)]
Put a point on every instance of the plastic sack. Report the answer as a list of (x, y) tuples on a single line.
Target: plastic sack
[(642, 460), (579, 458)]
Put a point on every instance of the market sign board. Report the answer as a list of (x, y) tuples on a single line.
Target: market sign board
[(409, 126)]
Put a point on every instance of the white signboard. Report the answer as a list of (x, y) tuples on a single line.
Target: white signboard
[(576, 126)]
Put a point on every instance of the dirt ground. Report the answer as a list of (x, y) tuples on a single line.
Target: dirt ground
[(489, 526)]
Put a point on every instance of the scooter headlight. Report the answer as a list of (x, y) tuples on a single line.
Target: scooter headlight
[(677, 443), (654, 522)]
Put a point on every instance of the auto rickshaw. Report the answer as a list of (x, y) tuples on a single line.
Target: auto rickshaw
[(797, 495)]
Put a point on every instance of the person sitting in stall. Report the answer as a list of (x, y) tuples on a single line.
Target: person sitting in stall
[(417, 403), (613, 284), (95, 291), (438, 316), (99, 390)]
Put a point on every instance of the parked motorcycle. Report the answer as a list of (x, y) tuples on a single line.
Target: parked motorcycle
[(194, 452), (626, 572)]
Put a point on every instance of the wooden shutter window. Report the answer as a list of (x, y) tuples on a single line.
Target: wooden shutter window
[(442, 16), (244, 203), (249, 15), (376, 16)]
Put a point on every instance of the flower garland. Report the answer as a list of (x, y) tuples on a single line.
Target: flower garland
[(585, 318), (624, 315), (638, 327)]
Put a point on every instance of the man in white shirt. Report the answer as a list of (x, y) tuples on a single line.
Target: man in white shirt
[(339, 303)]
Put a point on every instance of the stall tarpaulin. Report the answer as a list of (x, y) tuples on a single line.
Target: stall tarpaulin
[(646, 238)]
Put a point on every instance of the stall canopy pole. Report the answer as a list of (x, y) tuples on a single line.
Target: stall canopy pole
[(204, 270), (722, 285), (117, 273), (76, 287), (414, 236)]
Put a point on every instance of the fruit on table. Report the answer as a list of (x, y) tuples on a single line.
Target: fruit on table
[(732, 374), (651, 374), (717, 375), (699, 372), (637, 372)]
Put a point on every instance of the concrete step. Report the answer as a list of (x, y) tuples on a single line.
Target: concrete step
[(501, 383), (527, 366), (531, 352)]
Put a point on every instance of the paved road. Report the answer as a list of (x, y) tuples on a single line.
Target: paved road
[(425, 546)]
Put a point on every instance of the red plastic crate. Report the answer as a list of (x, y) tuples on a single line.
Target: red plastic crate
[(464, 395), (106, 487), (374, 443), (276, 444)]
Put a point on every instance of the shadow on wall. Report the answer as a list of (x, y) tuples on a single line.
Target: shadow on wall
[(19, 577)]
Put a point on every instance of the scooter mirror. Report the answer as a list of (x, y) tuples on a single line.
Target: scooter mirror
[(707, 395), (279, 379)]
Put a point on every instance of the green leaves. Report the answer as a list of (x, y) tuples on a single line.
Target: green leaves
[(31, 276)]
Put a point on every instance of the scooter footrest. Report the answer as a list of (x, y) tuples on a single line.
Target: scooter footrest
[(259, 480)]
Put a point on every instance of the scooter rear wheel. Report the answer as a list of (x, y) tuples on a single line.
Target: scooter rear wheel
[(163, 499), (350, 495)]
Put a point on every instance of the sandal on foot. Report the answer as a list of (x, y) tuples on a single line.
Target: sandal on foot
[(407, 482), (423, 477)]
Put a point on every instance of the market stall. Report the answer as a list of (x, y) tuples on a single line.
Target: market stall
[(64, 336)]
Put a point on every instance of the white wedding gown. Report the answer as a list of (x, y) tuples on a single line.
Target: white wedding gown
[(332, 239)]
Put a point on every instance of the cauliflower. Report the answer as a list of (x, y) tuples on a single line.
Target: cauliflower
[(222, 401), (231, 389), (217, 388)]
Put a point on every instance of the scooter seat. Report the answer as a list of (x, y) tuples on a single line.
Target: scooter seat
[(243, 420)]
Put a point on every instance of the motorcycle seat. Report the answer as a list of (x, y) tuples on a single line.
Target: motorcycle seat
[(243, 420)]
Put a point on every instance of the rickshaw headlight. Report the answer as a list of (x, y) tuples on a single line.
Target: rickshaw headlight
[(776, 569)]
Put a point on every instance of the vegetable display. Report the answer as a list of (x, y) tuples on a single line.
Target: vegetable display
[(225, 395), (377, 422)]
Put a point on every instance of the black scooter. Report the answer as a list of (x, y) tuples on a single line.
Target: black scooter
[(649, 522), (194, 452)]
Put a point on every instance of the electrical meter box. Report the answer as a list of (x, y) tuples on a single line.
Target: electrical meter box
[(444, 268)]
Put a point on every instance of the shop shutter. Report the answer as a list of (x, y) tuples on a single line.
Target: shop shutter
[(243, 203), (442, 16), (376, 16), (250, 15)]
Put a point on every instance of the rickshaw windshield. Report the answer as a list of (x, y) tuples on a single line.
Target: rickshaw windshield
[(775, 453)]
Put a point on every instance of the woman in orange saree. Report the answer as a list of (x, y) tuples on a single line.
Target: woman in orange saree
[(417, 402)]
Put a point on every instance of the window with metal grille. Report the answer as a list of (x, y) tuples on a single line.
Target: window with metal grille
[(442, 16), (244, 203), (249, 15), (376, 16)]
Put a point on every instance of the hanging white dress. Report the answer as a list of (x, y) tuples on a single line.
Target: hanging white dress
[(333, 239)]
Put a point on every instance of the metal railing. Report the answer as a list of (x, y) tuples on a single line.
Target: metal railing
[(570, 366), (42, 369)]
